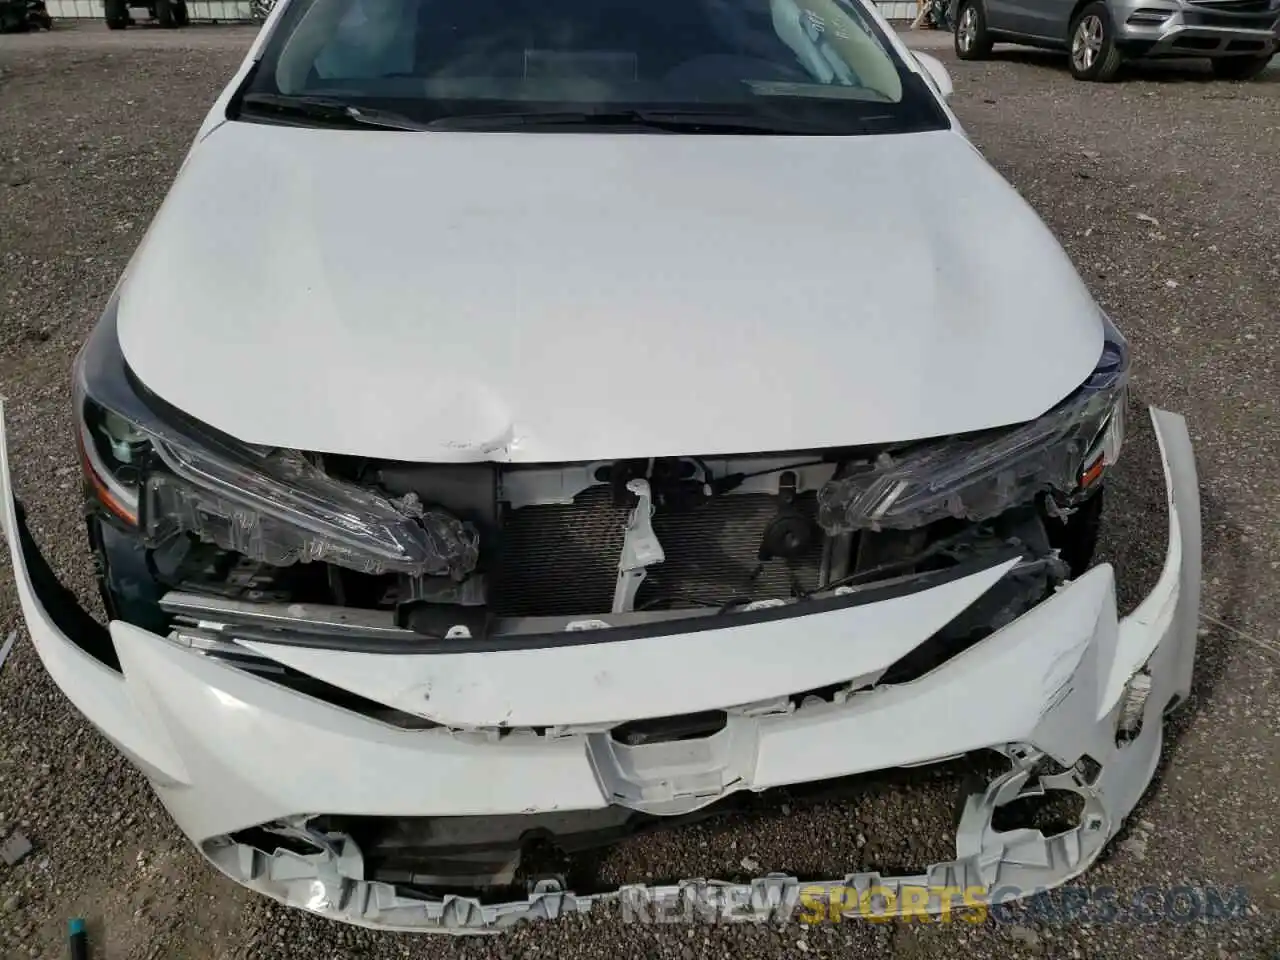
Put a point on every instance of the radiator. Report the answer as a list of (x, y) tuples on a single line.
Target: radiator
[(562, 559)]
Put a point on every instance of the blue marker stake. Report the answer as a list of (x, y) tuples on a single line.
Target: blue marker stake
[(79, 940)]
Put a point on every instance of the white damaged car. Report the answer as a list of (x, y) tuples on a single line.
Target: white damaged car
[(528, 423)]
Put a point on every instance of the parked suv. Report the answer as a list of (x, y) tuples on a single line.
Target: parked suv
[(1238, 36)]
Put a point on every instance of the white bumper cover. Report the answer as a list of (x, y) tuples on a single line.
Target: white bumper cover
[(225, 750)]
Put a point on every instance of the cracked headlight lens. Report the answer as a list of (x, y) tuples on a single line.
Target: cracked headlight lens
[(275, 506), (978, 476), (283, 509)]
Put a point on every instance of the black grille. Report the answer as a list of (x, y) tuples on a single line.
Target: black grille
[(1243, 14), (1235, 6), (562, 559)]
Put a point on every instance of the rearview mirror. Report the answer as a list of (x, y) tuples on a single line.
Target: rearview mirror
[(937, 73)]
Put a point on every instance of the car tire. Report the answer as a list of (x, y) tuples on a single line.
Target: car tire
[(1092, 46), (1238, 68), (972, 41), (164, 13), (117, 13)]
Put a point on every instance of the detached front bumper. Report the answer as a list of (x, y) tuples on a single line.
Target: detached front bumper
[(226, 751)]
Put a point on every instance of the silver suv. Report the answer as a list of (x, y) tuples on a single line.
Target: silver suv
[(1238, 36)]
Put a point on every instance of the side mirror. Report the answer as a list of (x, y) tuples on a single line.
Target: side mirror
[(937, 73)]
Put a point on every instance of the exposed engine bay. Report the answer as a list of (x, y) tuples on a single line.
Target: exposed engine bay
[(194, 528), (592, 546)]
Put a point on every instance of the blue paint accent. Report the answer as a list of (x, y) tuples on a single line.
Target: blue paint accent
[(76, 926)]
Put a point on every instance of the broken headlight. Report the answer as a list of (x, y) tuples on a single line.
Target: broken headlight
[(978, 476), (166, 477)]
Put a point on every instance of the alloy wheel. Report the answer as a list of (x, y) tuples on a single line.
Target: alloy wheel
[(1086, 44), (968, 28)]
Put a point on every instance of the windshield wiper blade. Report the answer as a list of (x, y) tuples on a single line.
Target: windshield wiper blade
[(328, 110), (666, 121)]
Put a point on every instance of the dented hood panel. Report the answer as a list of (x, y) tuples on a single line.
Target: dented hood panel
[(541, 297)]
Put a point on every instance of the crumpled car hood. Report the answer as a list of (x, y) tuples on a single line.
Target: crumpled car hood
[(553, 297)]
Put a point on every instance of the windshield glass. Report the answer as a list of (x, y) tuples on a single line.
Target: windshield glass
[(786, 66)]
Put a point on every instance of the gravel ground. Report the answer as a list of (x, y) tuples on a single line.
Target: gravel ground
[(1164, 190)]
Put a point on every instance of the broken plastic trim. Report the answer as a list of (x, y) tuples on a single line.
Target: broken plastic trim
[(979, 477), (1006, 865), (321, 629), (60, 603)]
